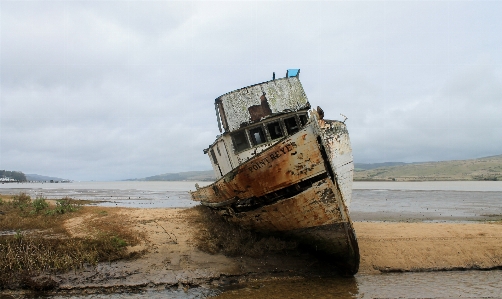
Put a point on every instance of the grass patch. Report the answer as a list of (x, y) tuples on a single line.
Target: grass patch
[(20, 212), (215, 235), (43, 245)]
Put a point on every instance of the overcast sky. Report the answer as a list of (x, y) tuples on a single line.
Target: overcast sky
[(110, 90)]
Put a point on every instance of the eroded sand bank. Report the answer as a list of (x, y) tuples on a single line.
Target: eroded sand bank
[(173, 260)]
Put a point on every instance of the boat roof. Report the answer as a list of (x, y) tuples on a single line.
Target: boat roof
[(251, 104)]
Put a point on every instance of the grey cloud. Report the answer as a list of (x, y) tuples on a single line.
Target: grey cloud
[(114, 90)]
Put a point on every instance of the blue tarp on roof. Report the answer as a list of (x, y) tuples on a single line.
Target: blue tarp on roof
[(292, 73)]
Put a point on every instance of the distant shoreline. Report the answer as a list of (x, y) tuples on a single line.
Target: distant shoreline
[(423, 180), (482, 169)]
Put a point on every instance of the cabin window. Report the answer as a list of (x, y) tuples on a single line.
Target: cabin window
[(215, 161), (240, 141), (257, 136), (291, 125), (275, 131), (303, 119)]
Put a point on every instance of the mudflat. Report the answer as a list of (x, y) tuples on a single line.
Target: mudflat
[(387, 247), (172, 259)]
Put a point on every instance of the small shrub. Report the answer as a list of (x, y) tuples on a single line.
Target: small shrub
[(118, 242), (39, 204), (66, 205), (19, 235), (50, 212), (21, 201)]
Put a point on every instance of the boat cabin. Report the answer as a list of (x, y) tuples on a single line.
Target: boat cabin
[(255, 117)]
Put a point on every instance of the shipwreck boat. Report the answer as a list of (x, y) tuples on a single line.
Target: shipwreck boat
[(282, 168)]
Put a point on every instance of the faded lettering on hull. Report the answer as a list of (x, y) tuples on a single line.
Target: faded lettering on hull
[(279, 166), (256, 165)]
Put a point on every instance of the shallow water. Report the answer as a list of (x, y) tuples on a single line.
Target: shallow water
[(432, 186), (372, 201), (454, 284), (429, 206), (123, 194)]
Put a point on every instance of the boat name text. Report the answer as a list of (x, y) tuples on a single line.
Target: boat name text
[(272, 156)]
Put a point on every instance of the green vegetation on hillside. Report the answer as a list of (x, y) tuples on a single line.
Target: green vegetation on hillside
[(367, 166), (16, 175), (482, 169)]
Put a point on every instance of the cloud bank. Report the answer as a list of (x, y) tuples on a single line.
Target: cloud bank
[(111, 90)]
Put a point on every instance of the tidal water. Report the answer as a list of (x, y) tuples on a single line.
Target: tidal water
[(124, 194), (372, 201), (456, 284)]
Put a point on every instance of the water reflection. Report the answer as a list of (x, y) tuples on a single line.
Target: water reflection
[(454, 284), (194, 293), (338, 287)]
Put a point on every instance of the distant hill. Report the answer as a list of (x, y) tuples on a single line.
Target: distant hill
[(366, 166), (12, 175), (42, 178), (482, 169), (181, 176)]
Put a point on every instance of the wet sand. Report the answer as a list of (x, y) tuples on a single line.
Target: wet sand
[(173, 261), (401, 247), (425, 205)]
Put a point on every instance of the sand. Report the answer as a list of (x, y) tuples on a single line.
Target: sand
[(172, 259), (387, 247)]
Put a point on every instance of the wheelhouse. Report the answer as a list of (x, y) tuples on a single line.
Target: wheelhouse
[(253, 118)]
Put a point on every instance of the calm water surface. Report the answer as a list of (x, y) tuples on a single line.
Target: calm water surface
[(372, 201), (456, 284), (124, 194)]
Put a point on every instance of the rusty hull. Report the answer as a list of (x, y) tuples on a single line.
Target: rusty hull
[(286, 163), (292, 188), (316, 217)]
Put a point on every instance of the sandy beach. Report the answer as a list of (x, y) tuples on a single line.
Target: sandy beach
[(172, 260)]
